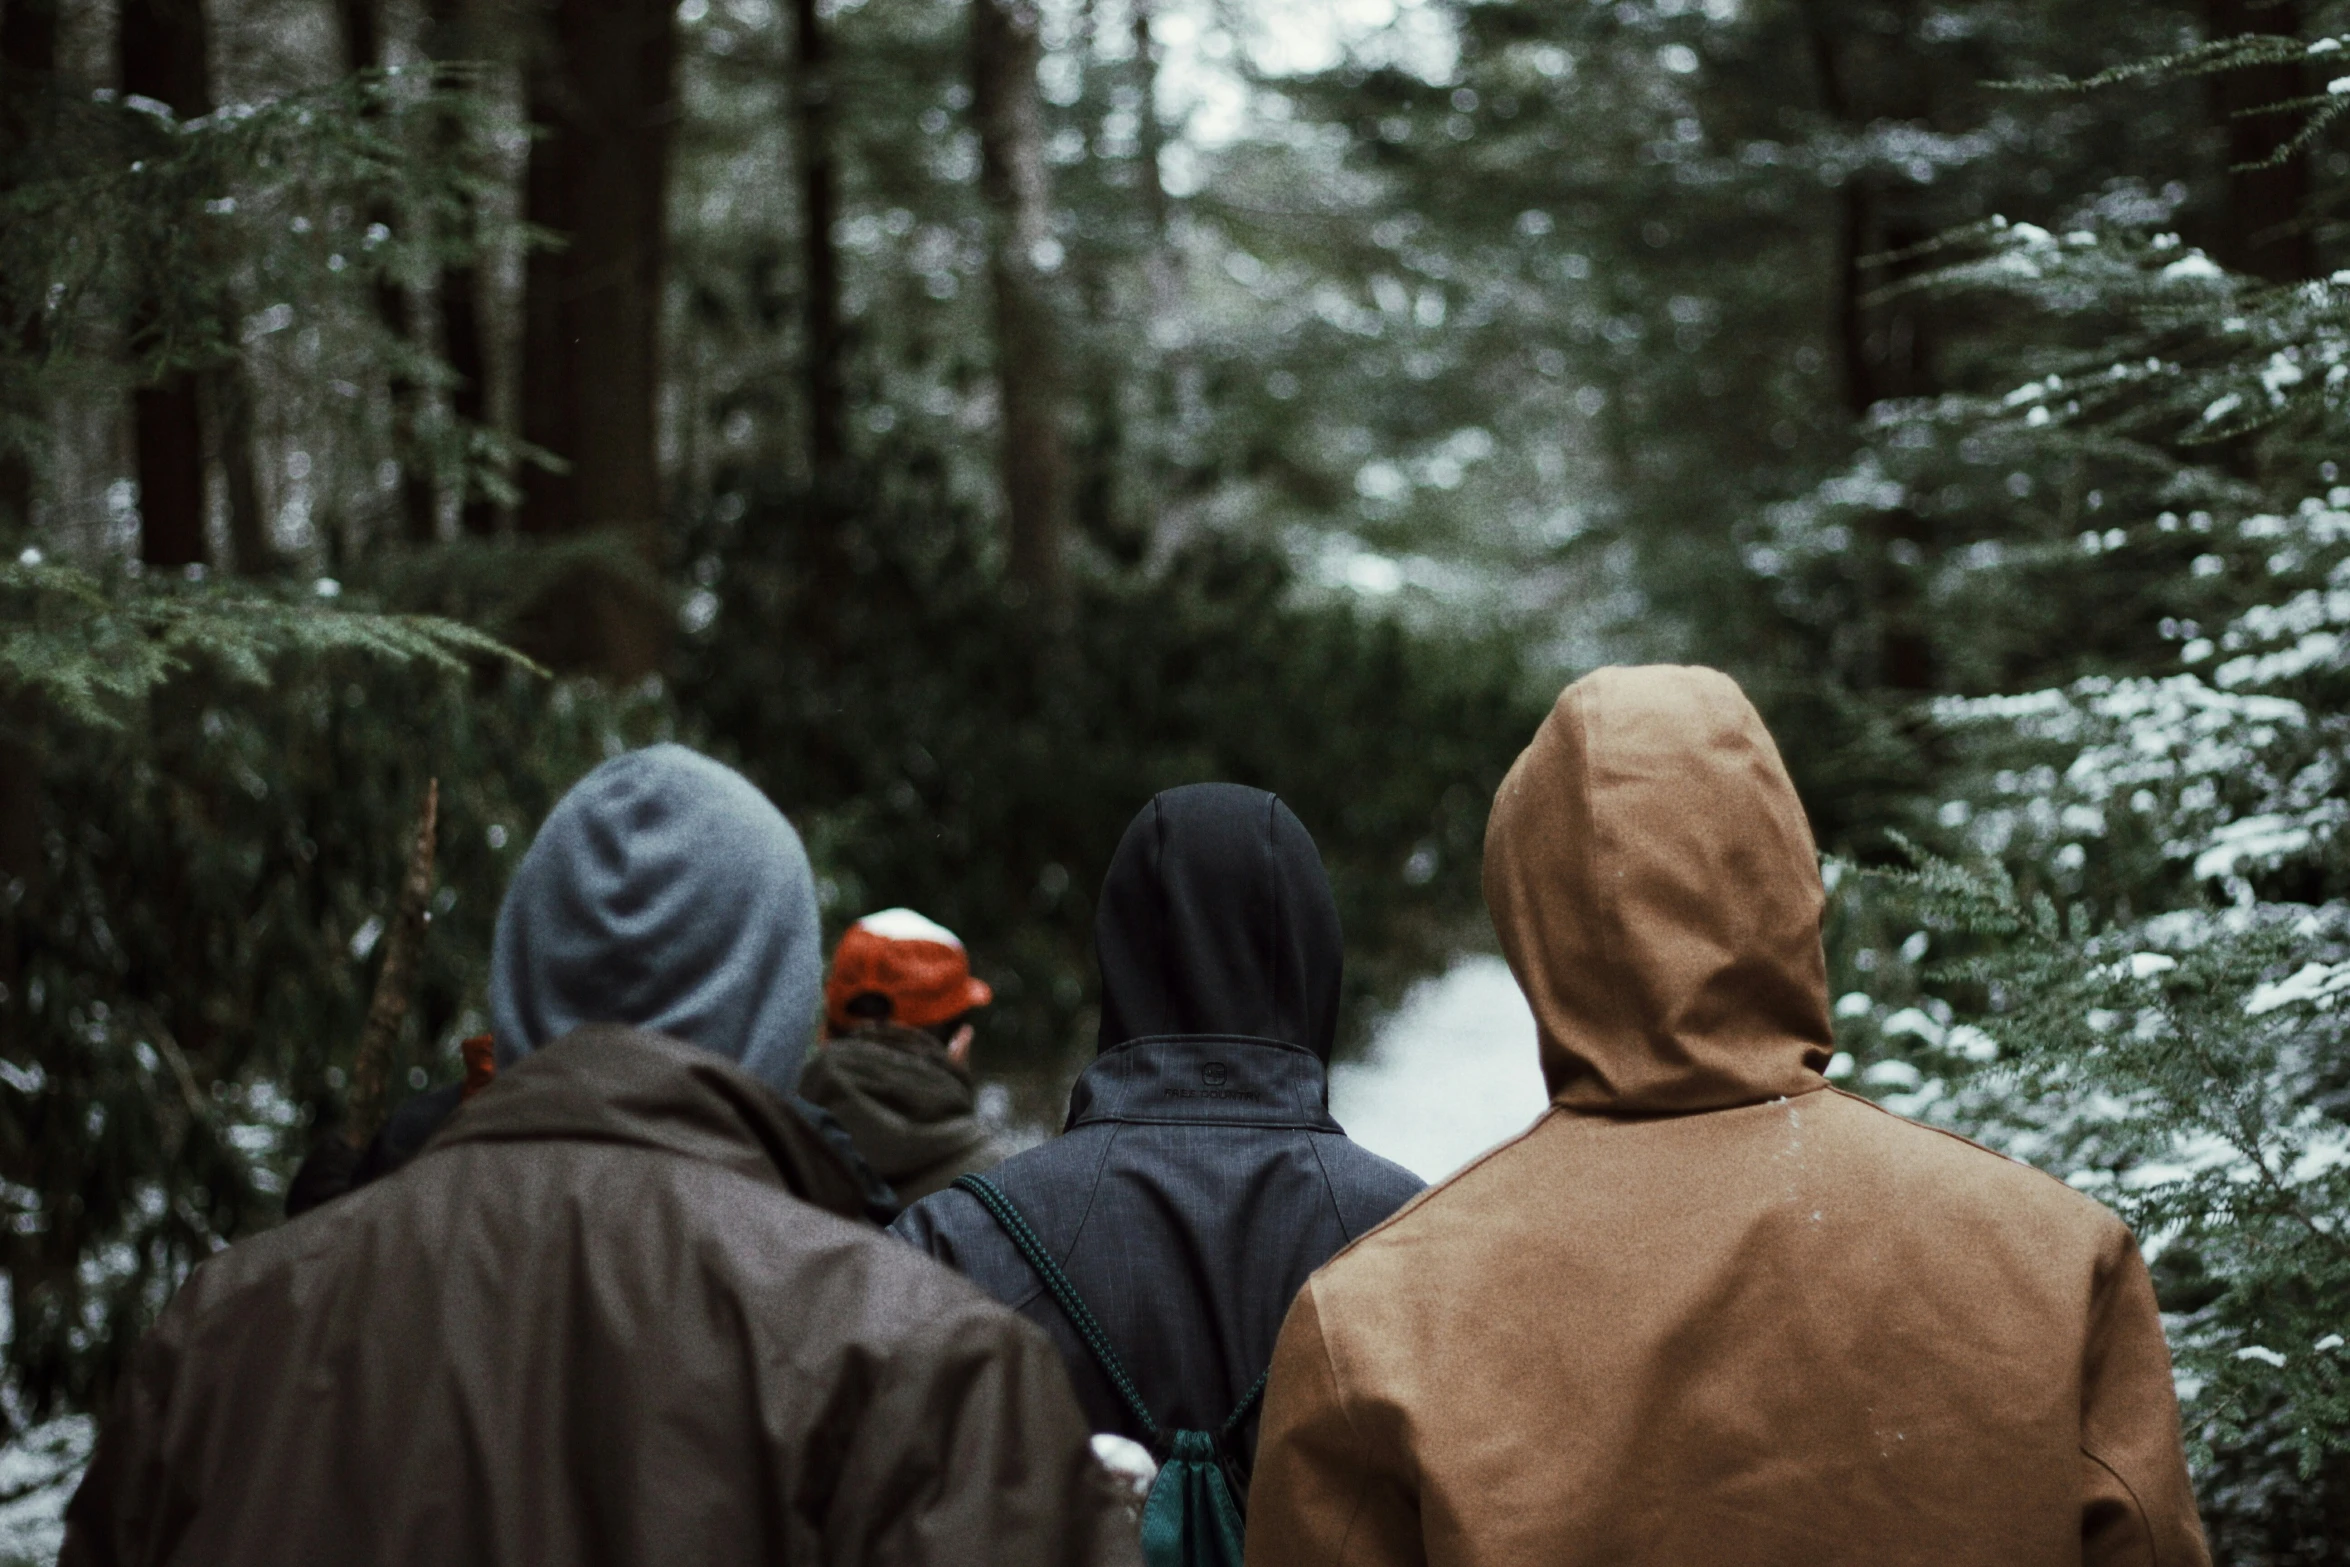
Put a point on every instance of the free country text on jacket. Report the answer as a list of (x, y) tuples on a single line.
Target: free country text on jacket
[(1708, 1309), (1200, 1177), (619, 1311)]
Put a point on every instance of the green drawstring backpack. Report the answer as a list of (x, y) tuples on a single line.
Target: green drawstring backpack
[(1189, 1519)]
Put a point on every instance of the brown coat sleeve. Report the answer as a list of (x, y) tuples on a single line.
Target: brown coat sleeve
[(2137, 1507), (1323, 1494), (972, 1450)]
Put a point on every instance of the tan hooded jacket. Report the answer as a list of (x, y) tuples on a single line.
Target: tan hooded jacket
[(1708, 1309)]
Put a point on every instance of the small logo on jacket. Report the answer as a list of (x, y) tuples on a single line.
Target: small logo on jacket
[(1216, 1075)]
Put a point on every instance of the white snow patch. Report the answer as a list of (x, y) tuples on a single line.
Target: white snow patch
[(1453, 1071)]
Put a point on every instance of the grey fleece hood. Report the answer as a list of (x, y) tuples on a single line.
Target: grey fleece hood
[(665, 892)]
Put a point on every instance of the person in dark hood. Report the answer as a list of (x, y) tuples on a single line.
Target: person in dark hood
[(1200, 1177), (620, 1309), (895, 1064)]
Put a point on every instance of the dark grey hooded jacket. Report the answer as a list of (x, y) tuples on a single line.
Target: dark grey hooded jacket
[(1200, 1177)]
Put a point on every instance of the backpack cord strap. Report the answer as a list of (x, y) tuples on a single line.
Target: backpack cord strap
[(1015, 1227), (1247, 1405)]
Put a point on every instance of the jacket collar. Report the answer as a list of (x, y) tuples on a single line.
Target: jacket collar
[(1214, 1079), (609, 1083)]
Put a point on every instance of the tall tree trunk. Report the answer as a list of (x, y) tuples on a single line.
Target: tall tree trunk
[(1161, 276), (228, 399), (28, 72), (464, 344), (602, 89), (1884, 353), (826, 349), (164, 55), (1005, 50), (2266, 231), (162, 46), (363, 50)]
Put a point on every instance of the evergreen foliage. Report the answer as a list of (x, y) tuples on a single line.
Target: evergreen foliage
[(96, 649), (2141, 970), (973, 758), (1848, 344), (134, 244)]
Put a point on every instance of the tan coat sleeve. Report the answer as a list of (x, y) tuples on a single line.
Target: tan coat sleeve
[(1323, 1494), (2137, 1506), (972, 1450)]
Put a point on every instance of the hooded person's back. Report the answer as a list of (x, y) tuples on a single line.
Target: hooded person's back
[(1200, 1178), (620, 1309), (1708, 1309)]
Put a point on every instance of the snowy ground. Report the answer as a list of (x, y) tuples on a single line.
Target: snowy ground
[(37, 1474), (1449, 1075)]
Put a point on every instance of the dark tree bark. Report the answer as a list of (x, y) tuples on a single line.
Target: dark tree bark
[(464, 343), (820, 208), (164, 55), (1005, 51), (1161, 269), (28, 71), (28, 66), (601, 87), (229, 411), (162, 46), (826, 350), (2266, 230), (1883, 349), (363, 50), (1103, 361)]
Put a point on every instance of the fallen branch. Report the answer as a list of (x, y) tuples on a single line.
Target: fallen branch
[(403, 943)]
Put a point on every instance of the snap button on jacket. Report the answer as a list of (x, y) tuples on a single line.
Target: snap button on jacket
[(1708, 1309), (614, 1314)]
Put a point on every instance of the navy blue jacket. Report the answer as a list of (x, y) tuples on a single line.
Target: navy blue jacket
[(1200, 1177)]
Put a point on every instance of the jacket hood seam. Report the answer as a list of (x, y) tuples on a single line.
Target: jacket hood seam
[(1636, 1117), (1209, 1039)]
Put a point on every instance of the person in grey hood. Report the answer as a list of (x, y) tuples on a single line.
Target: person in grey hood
[(620, 1309), (1200, 1177), (664, 889)]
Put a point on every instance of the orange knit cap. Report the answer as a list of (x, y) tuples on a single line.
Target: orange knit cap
[(917, 963)]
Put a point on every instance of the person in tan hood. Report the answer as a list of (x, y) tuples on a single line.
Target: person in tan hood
[(1709, 1309)]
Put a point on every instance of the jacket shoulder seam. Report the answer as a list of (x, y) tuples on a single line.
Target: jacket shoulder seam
[(2137, 1506), (982, 1224), (1329, 1187), (1093, 1189)]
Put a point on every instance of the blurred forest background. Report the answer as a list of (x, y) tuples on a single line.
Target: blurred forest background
[(970, 416)]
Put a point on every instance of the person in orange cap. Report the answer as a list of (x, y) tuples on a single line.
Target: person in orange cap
[(895, 1065)]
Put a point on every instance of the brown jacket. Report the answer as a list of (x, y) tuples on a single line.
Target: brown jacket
[(1708, 1309), (605, 1318)]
